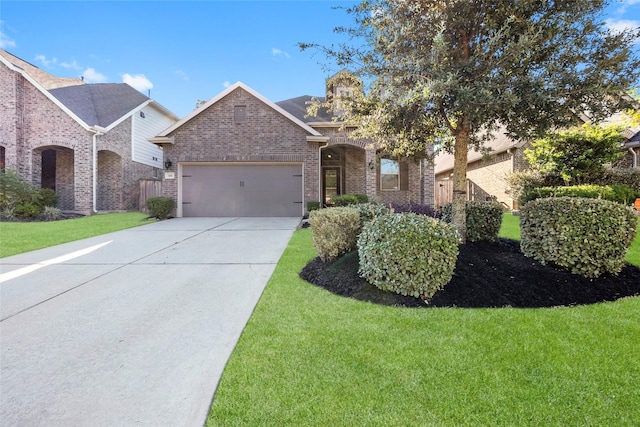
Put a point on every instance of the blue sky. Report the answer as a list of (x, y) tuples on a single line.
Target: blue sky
[(184, 51)]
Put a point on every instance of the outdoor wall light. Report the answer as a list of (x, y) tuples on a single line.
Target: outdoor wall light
[(167, 164)]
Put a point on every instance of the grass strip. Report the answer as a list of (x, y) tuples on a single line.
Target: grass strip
[(308, 357), (20, 237)]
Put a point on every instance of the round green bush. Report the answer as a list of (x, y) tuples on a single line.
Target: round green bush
[(587, 236), (334, 231), (160, 207), (408, 254), (483, 219)]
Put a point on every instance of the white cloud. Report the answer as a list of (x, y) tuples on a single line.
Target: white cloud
[(92, 76), (5, 40), (620, 25), (182, 75), (73, 65), (226, 83), (44, 61), (277, 52), (139, 82)]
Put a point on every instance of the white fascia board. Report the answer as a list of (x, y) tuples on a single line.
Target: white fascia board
[(129, 114), (150, 102), (226, 92), (46, 93)]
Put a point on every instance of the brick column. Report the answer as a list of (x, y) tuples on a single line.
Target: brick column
[(370, 173)]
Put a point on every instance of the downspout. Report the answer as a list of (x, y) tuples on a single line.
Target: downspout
[(635, 157), (97, 131), (320, 147)]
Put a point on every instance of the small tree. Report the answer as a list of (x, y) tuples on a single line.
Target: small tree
[(578, 153)]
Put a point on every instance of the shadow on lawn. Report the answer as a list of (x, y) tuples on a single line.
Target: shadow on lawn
[(486, 275)]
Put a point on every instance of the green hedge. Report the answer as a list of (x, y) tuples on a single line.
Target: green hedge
[(160, 207), (623, 194), (589, 237), (483, 219), (334, 231), (350, 199), (369, 211), (408, 254)]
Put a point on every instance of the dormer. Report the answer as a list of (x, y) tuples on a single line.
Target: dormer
[(341, 86)]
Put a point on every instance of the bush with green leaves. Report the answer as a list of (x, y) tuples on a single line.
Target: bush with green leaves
[(616, 193), (621, 176), (334, 231), (350, 199), (408, 254), (160, 207), (51, 213), (369, 211), (577, 153), (483, 219), (48, 197), (21, 198), (589, 237), (313, 206)]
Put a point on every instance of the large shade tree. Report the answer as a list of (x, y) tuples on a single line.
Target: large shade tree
[(452, 72)]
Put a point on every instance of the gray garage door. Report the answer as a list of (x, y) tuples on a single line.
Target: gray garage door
[(242, 190)]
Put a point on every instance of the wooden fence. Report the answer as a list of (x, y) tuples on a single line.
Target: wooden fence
[(148, 188)]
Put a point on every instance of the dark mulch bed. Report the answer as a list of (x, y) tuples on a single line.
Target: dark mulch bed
[(486, 275)]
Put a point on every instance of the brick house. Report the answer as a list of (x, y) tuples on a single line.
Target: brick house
[(486, 172), (88, 142), (240, 154)]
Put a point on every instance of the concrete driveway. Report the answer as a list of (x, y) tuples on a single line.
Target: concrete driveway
[(132, 327)]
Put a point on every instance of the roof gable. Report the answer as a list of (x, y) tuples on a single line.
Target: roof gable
[(223, 94)]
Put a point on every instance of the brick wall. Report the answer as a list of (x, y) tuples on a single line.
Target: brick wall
[(265, 136), (31, 123)]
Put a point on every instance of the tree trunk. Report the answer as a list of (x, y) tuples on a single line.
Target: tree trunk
[(460, 156)]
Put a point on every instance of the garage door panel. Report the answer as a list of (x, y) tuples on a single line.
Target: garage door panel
[(242, 190)]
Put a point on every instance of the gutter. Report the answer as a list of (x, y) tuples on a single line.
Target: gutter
[(635, 157), (97, 131)]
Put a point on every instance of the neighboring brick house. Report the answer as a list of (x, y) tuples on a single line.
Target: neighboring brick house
[(486, 172), (88, 142), (240, 154)]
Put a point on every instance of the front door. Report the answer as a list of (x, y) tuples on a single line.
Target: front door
[(330, 185)]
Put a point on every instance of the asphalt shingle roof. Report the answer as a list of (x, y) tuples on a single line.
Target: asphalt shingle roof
[(99, 103), (297, 107)]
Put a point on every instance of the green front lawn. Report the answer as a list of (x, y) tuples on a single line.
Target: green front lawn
[(308, 357), (19, 237)]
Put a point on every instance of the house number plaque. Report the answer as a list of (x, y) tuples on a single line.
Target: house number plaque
[(169, 175)]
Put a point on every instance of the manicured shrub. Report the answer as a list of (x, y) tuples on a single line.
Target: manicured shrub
[(369, 211), (48, 197), (408, 254), (350, 199), (416, 208), (334, 231), (313, 206), (160, 207), (616, 193), (18, 194), (589, 237), (520, 183), (51, 213), (483, 219), (622, 176)]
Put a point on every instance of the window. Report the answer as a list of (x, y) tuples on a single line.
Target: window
[(389, 174), (240, 114)]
